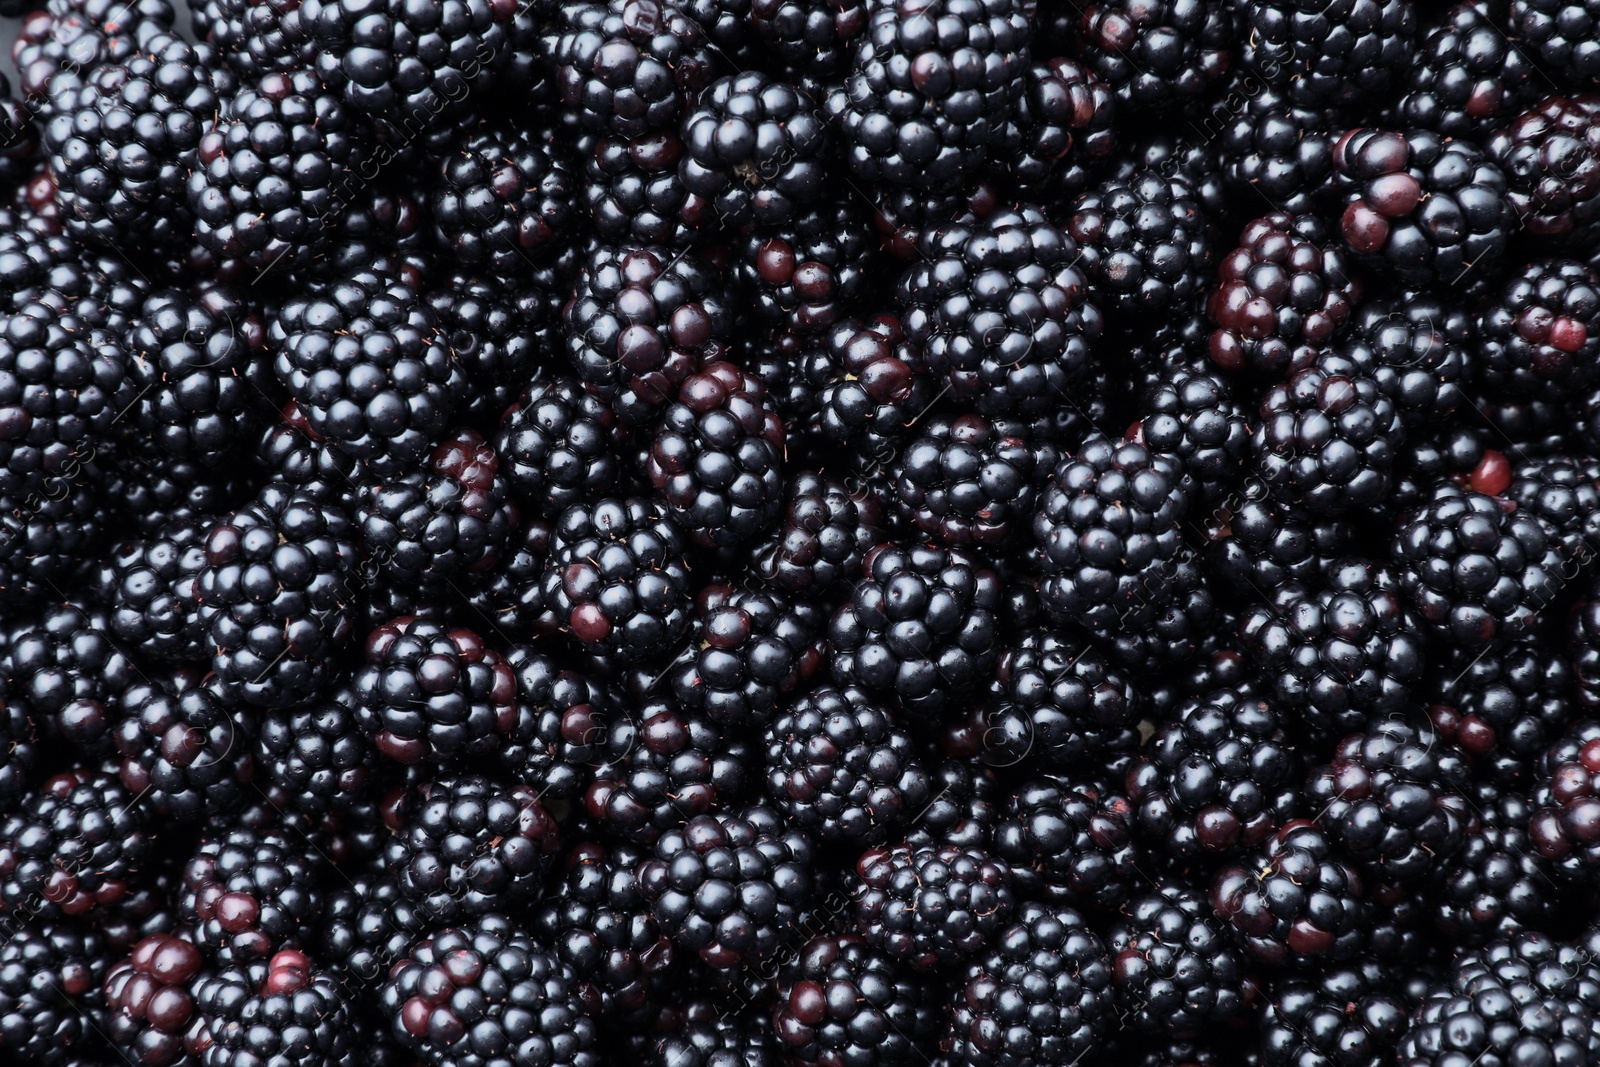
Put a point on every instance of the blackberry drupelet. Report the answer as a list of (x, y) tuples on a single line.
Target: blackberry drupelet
[(1548, 154), (920, 628), (841, 1001), (1329, 54), (1272, 147), (560, 446), (73, 847), (1498, 881), (732, 887), (1349, 1015), (930, 907), (755, 149), (284, 1015), (630, 67), (1294, 901), (504, 196), (50, 996), (967, 480), (823, 535), (748, 651), (150, 1008), (1058, 700), (249, 893), (1469, 75), (1540, 336), (1174, 969), (316, 755), (184, 750), (809, 273), (1069, 840), (1194, 417), (561, 724), (1158, 56)]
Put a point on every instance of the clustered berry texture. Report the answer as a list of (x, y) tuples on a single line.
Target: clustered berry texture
[(800, 533)]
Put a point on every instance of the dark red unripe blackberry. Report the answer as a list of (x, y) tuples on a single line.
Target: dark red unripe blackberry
[(473, 988), (754, 148), (1476, 573), (616, 579), (50, 994), (1273, 146), (642, 320), (1158, 56), (873, 387), (1540, 337), (1174, 968), (73, 847), (250, 893), (1194, 417), (1295, 901), (561, 724), (1069, 840), (67, 673), (967, 480), (809, 37), (1058, 701), (1329, 54), (1350, 1015), (466, 845), (1000, 308), (185, 750), (823, 534), (1470, 76), (150, 1008), (661, 767), (1217, 780), (920, 628), (930, 907), (748, 651), (1289, 286), (502, 197), (731, 888), (559, 446), (629, 67), (842, 1001)]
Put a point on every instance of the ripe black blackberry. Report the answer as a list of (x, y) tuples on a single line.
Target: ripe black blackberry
[(1329, 54), (1566, 795), (1000, 308), (316, 753), (1174, 969), (283, 1014), (561, 723), (1420, 350), (633, 195), (50, 995), (1498, 881), (467, 988), (1351, 1014), (1145, 243), (1548, 155), (184, 750), (1258, 545), (748, 650), (269, 169), (370, 368), (730, 888), (68, 674), (1476, 574), (1565, 492), (641, 321), (841, 1001), (1540, 336), (1272, 147), (1504, 708), (19, 752), (824, 532), (630, 67), (1219, 779), (560, 446), (1064, 122), (660, 767), (930, 907), (466, 845), (42, 537), (149, 1005), (1560, 34), (873, 389), (498, 329), (1108, 527), (754, 149), (1058, 701), (1069, 840), (1158, 56), (808, 273), (1430, 209), (919, 628), (1193, 416), (502, 197), (249, 893), (1294, 901), (967, 480), (1525, 997), (932, 90), (252, 36), (1288, 287), (708, 1033), (809, 38), (1469, 76), (616, 579), (1583, 648), (275, 595)]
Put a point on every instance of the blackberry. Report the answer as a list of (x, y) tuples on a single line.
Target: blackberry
[(498, 329), (1194, 417), (1109, 535), (254, 37), (250, 893), (731, 887), (19, 752), (1427, 208), (19, 138), (467, 845), (381, 228), (367, 926), (1069, 840), (873, 387), (809, 37), (275, 595), (430, 526), (1583, 647), (1338, 655), (642, 321), (50, 996), (1174, 969), (184, 750), (1567, 798), (286, 1014), (633, 195), (1064, 119), (1345, 1014), (80, 35), (150, 1008), (1420, 352), (122, 140), (370, 368), (1565, 492), (616, 579), (717, 457), (659, 768), (561, 724), (1272, 146), (629, 67), (315, 753), (754, 149), (809, 273), (1059, 701), (749, 650), (62, 387), (502, 197), (1561, 34), (1548, 155), (67, 674), (1540, 338), (932, 906), (841, 1001), (1045, 982), (1187, 625), (933, 85), (42, 536), (968, 480), (1497, 882), (1001, 311), (1329, 55), (1525, 997), (1504, 708), (1294, 901), (268, 171), (560, 446), (1219, 779), (1158, 56), (1469, 75), (74, 846), (919, 628), (1476, 574), (1288, 287), (824, 533)]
